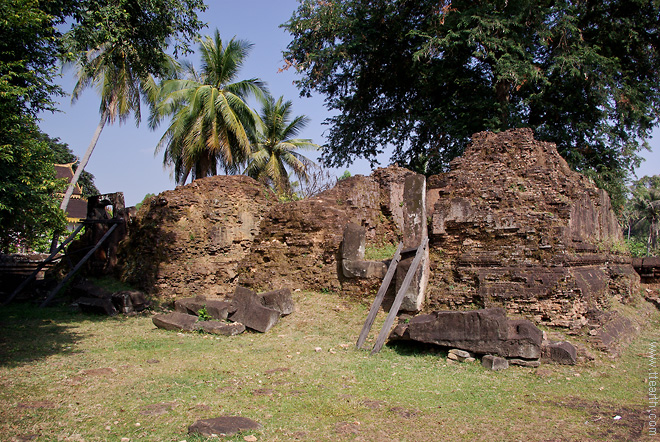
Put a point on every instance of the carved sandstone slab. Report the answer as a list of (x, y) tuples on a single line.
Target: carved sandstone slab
[(486, 331)]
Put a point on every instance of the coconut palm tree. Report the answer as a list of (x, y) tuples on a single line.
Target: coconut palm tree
[(275, 145), (121, 90), (210, 118)]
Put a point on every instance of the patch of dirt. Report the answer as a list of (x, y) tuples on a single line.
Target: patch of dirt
[(263, 392), (157, 409), (373, 405), (406, 414), (632, 424), (347, 428)]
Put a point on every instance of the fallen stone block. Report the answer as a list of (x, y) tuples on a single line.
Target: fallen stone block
[(248, 310), (96, 306), (460, 355), (559, 352), (138, 299), (122, 302), (525, 363), (175, 321), (220, 328), (494, 363), (214, 308), (279, 300), (223, 426), (486, 331)]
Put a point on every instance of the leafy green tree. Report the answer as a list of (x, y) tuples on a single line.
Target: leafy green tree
[(121, 87), (211, 121), (31, 43), (28, 205), (423, 76), (275, 146)]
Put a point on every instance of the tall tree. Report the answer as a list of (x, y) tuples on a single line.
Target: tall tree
[(210, 118), (423, 75), (30, 45), (275, 146), (28, 50), (121, 88)]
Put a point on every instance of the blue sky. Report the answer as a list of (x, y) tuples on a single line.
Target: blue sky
[(124, 159)]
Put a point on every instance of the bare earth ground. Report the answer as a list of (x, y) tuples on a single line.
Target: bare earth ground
[(69, 377)]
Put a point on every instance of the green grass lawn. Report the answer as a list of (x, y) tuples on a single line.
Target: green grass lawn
[(71, 377)]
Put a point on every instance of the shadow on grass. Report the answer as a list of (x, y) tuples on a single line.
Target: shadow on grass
[(414, 348), (29, 333)]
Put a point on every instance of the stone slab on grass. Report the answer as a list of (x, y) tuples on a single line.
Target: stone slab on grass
[(486, 331), (559, 352), (175, 321), (220, 328), (215, 308), (223, 426), (96, 306), (494, 363)]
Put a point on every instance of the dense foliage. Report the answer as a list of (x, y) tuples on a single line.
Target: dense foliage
[(422, 76), (211, 120), (274, 147), (28, 210), (138, 31)]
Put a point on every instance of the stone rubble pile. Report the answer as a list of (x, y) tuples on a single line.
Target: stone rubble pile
[(246, 310)]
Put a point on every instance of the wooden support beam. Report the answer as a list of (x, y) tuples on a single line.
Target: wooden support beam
[(385, 331), (379, 296), (43, 264)]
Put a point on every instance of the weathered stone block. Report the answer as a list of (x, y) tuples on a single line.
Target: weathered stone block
[(248, 310), (279, 300), (96, 306), (559, 352), (175, 321), (494, 363), (525, 363), (215, 308), (485, 331), (220, 328)]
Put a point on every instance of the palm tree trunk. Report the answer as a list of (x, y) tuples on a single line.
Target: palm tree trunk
[(76, 176), (83, 161)]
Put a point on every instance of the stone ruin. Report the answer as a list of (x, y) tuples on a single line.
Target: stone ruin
[(510, 226)]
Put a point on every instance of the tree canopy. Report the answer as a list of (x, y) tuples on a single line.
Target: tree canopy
[(422, 76), (274, 147), (35, 34), (211, 120)]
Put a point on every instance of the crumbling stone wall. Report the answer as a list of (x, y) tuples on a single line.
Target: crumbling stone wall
[(513, 226), (189, 241), (299, 243)]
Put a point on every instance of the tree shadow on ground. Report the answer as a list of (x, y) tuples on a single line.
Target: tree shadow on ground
[(29, 333)]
